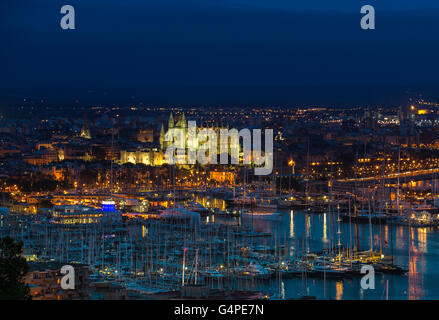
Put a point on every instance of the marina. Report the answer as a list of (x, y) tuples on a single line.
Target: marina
[(282, 254)]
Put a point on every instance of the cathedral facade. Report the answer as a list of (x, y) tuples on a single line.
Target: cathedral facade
[(156, 156)]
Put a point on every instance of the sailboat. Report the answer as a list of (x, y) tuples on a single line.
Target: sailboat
[(261, 214)]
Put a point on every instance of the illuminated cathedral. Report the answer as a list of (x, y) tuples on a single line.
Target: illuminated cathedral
[(156, 156), (181, 124)]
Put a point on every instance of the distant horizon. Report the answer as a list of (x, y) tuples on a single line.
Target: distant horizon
[(343, 96)]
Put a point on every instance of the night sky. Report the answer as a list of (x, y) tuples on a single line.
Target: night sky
[(217, 52)]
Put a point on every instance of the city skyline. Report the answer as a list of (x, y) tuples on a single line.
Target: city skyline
[(219, 150)]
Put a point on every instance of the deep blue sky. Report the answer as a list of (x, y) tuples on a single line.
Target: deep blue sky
[(223, 51)]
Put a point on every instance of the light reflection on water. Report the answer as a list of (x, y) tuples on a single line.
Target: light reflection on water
[(339, 290), (292, 224), (417, 250)]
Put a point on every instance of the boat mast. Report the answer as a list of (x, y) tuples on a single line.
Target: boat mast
[(182, 274), (397, 186), (370, 224), (387, 290), (196, 266), (111, 163), (339, 235), (324, 277)]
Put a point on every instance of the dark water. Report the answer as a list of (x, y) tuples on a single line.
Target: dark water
[(415, 248)]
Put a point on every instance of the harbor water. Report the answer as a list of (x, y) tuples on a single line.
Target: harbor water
[(415, 248)]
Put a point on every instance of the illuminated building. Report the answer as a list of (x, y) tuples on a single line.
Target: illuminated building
[(146, 135), (44, 282), (41, 157), (80, 214), (108, 206), (24, 208), (223, 176), (156, 156), (147, 156), (231, 146), (181, 124), (85, 131)]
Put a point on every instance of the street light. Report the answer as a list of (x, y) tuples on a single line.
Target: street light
[(292, 164)]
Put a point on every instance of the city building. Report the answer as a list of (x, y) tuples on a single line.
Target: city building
[(44, 280), (81, 214)]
